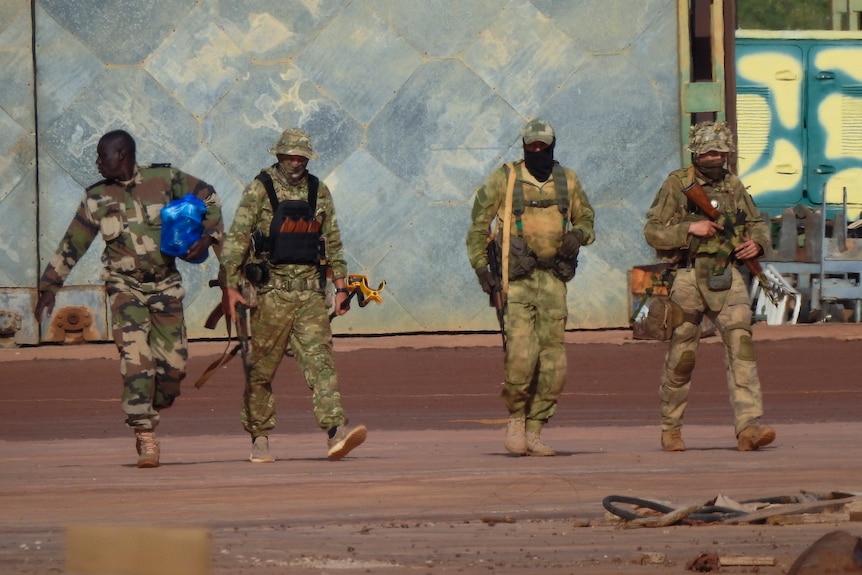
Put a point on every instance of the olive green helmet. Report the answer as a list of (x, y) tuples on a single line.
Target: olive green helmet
[(706, 136)]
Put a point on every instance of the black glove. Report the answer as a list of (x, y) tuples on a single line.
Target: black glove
[(570, 246), (487, 280)]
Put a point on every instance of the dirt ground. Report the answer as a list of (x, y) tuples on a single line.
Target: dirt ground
[(432, 491)]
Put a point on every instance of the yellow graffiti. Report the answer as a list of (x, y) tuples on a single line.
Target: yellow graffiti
[(848, 179), (782, 74), (784, 171), (844, 59)]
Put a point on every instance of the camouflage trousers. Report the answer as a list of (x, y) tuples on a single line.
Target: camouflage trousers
[(733, 321), (150, 333), (298, 318), (535, 370)]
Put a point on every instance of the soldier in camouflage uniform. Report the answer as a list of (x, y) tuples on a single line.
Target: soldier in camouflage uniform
[(707, 283), (291, 308), (551, 219), (143, 285)]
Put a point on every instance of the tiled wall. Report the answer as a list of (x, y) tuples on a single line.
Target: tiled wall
[(410, 102)]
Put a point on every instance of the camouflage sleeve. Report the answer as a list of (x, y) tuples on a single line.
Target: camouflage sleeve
[(77, 239), (238, 240), (582, 215), (665, 229), (486, 204), (755, 226), (332, 233)]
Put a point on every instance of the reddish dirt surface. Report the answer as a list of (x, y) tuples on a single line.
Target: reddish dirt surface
[(432, 491)]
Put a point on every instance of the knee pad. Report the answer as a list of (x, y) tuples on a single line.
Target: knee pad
[(685, 366), (746, 348)]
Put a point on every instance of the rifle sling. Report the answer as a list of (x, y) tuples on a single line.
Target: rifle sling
[(226, 356)]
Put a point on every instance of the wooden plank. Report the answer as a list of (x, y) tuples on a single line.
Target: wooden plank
[(125, 550), (790, 509)]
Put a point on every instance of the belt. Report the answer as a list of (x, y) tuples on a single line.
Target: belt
[(292, 285), (147, 277)]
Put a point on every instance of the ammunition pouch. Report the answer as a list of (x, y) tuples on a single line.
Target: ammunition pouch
[(522, 260), (662, 317), (565, 268), (720, 281), (257, 273)]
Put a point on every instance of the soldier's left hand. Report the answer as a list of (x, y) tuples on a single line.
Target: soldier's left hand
[(199, 249), (747, 250)]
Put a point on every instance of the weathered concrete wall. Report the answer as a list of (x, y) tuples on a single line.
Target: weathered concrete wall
[(410, 102)]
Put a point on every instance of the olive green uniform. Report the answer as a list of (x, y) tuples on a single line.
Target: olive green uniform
[(666, 230), (536, 310)]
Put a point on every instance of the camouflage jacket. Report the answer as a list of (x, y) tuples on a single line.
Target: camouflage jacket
[(670, 215), (255, 212), (129, 219), (542, 229)]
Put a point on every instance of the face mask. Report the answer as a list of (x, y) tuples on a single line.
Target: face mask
[(292, 172), (540, 164), (712, 169)]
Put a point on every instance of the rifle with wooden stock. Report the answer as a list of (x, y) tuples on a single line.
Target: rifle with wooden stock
[(243, 337), (697, 195)]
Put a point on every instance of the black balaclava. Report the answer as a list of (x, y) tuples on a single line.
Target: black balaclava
[(540, 164)]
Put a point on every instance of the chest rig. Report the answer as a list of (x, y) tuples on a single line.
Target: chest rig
[(560, 199), (294, 233)]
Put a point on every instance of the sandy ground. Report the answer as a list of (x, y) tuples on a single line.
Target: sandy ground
[(432, 491)]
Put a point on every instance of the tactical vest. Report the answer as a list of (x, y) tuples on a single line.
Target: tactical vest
[(561, 199), (294, 233)]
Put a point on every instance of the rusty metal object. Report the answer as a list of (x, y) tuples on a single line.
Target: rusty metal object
[(72, 324)]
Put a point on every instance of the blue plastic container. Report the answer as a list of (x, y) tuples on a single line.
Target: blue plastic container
[(182, 225)]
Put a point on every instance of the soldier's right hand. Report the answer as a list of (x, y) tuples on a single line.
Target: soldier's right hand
[(487, 280), (46, 301), (704, 228), (231, 297)]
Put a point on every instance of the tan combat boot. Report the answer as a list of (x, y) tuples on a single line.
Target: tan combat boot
[(754, 436), (535, 446), (148, 448), (516, 440), (260, 450), (343, 442), (671, 440)]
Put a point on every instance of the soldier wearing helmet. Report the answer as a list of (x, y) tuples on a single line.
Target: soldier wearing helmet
[(537, 214), (708, 284), (291, 308)]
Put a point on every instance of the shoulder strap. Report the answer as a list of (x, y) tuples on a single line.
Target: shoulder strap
[(507, 218), (266, 180), (313, 185)]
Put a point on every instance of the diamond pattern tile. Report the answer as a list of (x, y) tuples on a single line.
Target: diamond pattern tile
[(410, 102)]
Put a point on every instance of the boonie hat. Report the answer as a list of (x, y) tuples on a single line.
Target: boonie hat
[(294, 142), (538, 130), (710, 136)]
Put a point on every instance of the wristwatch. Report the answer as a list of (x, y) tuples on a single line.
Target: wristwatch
[(342, 290)]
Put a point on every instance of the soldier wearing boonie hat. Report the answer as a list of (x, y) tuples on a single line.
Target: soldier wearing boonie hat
[(294, 142), (707, 283), (292, 304), (543, 228)]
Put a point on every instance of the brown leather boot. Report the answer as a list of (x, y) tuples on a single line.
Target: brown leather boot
[(671, 440), (754, 436), (147, 447)]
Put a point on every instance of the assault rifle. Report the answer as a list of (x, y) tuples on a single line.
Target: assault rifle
[(496, 295), (242, 335), (697, 195)]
